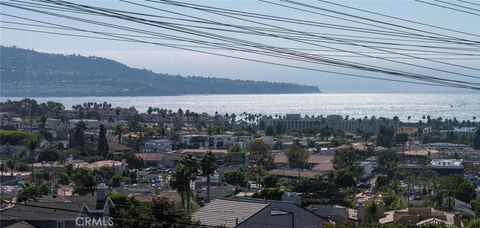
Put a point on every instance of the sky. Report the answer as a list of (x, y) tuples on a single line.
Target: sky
[(174, 61)]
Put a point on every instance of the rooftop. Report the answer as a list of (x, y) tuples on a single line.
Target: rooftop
[(312, 159), (224, 212), (152, 157), (446, 163), (115, 146), (293, 173)]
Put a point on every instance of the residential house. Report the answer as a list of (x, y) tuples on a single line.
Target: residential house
[(156, 146), (315, 162), (221, 191), (294, 173), (219, 154), (201, 182), (152, 159), (367, 169), (236, 212), (421, 216), (117, 148), (215, 141), (336, 213), (447, 166), (283, 214), (59, 211)]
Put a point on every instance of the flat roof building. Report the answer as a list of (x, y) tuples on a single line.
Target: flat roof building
[(447, 166)]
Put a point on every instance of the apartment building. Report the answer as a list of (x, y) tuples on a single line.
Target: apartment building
[(215, 141), (336, 122), (156, 146)]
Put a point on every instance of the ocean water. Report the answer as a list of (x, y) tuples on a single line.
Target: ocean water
[(463, 106)]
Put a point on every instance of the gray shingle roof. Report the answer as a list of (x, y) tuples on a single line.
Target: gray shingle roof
[(224, 212), (218, 191), (69, 208), (20, 224)]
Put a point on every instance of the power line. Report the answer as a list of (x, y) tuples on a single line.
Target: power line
[(391, 52), (398, 18), (457, 5), (238, 30), (381, 22), (309, 57), (472, 3), (186, 5), (219, 48), (303, 22), (37, 5), (447, 7), (192, 46), (287, 65)]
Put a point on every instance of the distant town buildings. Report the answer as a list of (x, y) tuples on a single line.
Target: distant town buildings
[(447, 166), (156, 146), (215, 141), (336, 122)]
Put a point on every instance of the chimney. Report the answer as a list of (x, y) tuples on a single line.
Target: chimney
[(101, 192)]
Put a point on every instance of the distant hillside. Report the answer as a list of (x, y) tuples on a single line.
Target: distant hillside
[(30, 73)]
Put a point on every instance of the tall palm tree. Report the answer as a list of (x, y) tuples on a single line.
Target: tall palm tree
[(208, 166), (185, 172), (32, 145), (180, 182), (11, 165), (7, 150), (118, 130)]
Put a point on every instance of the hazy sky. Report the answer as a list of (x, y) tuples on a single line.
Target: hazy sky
[(173, 61)]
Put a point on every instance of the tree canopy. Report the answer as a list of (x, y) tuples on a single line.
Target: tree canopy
[(261, 154), (297, 156)]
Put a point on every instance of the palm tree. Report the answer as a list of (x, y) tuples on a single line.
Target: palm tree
[(7, 150), (11, 165), (185, 172), (208, 166), (180, 182), (118, 130), (32, 145)]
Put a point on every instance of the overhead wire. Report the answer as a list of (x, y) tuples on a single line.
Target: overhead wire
[(281, 64), (468, 2), (289, 53), (398, 18), (392, 52), (448, 7), (324, 45), (297, 21)]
